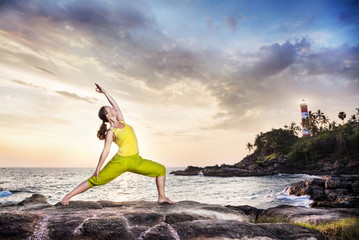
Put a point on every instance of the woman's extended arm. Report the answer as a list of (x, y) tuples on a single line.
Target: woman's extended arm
[(110, 99), (105, 152)]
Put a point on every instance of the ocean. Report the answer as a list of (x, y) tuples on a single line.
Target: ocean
[(261, 192)]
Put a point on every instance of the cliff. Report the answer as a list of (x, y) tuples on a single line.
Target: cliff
[(35, 218)]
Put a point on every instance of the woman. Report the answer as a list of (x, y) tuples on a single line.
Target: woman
[(127, 157)]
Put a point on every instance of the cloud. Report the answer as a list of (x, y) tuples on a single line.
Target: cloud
[(62, 93), (98, 14), (274, 58), (77, 97), (342, 61), (123, 38), (45, 70), (211, 24), (266, 79), (28, 84), (230, 22)]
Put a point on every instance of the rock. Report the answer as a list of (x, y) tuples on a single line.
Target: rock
[(145, 220), (106, 228), (230, 229), (227, 172), (315, 181), (317, 192), (329, 191), (189, 171), (252, 212), (36, 201), (331, 194), (148, 219), (333, 182), (302, 214), (17, 225), (355, 186), (181, 217), (160, 232), (80, 205), (288, 231)]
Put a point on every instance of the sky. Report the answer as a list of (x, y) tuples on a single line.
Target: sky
[(196, 79)]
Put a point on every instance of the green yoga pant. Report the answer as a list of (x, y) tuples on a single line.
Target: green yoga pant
[(134, 163)]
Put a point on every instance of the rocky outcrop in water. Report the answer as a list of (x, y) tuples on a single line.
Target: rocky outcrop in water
[(34, 218), (249, 166), (329, 191), (256, 165)]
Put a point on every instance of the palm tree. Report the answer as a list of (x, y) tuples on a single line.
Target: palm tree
[(332, 125), (293, 127), (353, 119), (322, 119), (342, 116), (249, 147)]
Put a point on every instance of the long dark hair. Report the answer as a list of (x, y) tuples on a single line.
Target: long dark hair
[(101, 133)]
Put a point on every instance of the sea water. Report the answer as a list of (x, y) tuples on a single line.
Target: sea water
[(261, 192)]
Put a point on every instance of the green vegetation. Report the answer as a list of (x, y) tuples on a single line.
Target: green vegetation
[(344, 229), (327, 140)]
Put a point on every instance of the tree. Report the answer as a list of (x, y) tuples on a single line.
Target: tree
[(295, 128), (353, 119), (342, 116), (249, 147), (311, 122), (332, 125)]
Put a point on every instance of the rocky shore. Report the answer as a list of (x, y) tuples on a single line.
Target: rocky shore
[(329, 191), (253, 165), (35, 218)]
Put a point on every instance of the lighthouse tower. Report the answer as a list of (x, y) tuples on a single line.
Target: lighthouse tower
[(304, 110)]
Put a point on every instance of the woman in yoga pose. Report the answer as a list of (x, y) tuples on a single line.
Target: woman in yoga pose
[(126, 159)]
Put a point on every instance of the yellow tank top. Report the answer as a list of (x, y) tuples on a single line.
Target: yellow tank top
[(126, 140)]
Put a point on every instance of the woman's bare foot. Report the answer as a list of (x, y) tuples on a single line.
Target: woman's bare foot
[(65, 200), (164, 200)]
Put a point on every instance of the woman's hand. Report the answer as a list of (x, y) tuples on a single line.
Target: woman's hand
[(95, 174), (99, 89)]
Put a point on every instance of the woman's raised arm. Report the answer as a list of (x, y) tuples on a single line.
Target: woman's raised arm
[(110, 99)]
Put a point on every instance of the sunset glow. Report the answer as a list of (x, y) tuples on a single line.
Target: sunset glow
[(196, 79)]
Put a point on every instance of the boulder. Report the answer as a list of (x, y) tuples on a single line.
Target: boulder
[(34, 202)]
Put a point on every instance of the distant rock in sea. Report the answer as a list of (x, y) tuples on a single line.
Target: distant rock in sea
[(34, 218)]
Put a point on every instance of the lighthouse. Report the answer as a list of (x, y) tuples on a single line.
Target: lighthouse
[(304, 111)]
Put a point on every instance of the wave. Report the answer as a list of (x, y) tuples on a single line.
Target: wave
[(298, 175), (5, 194), (8, 192), (303, 201)]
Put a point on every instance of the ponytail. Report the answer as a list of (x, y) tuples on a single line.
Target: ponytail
[(101, 133)]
